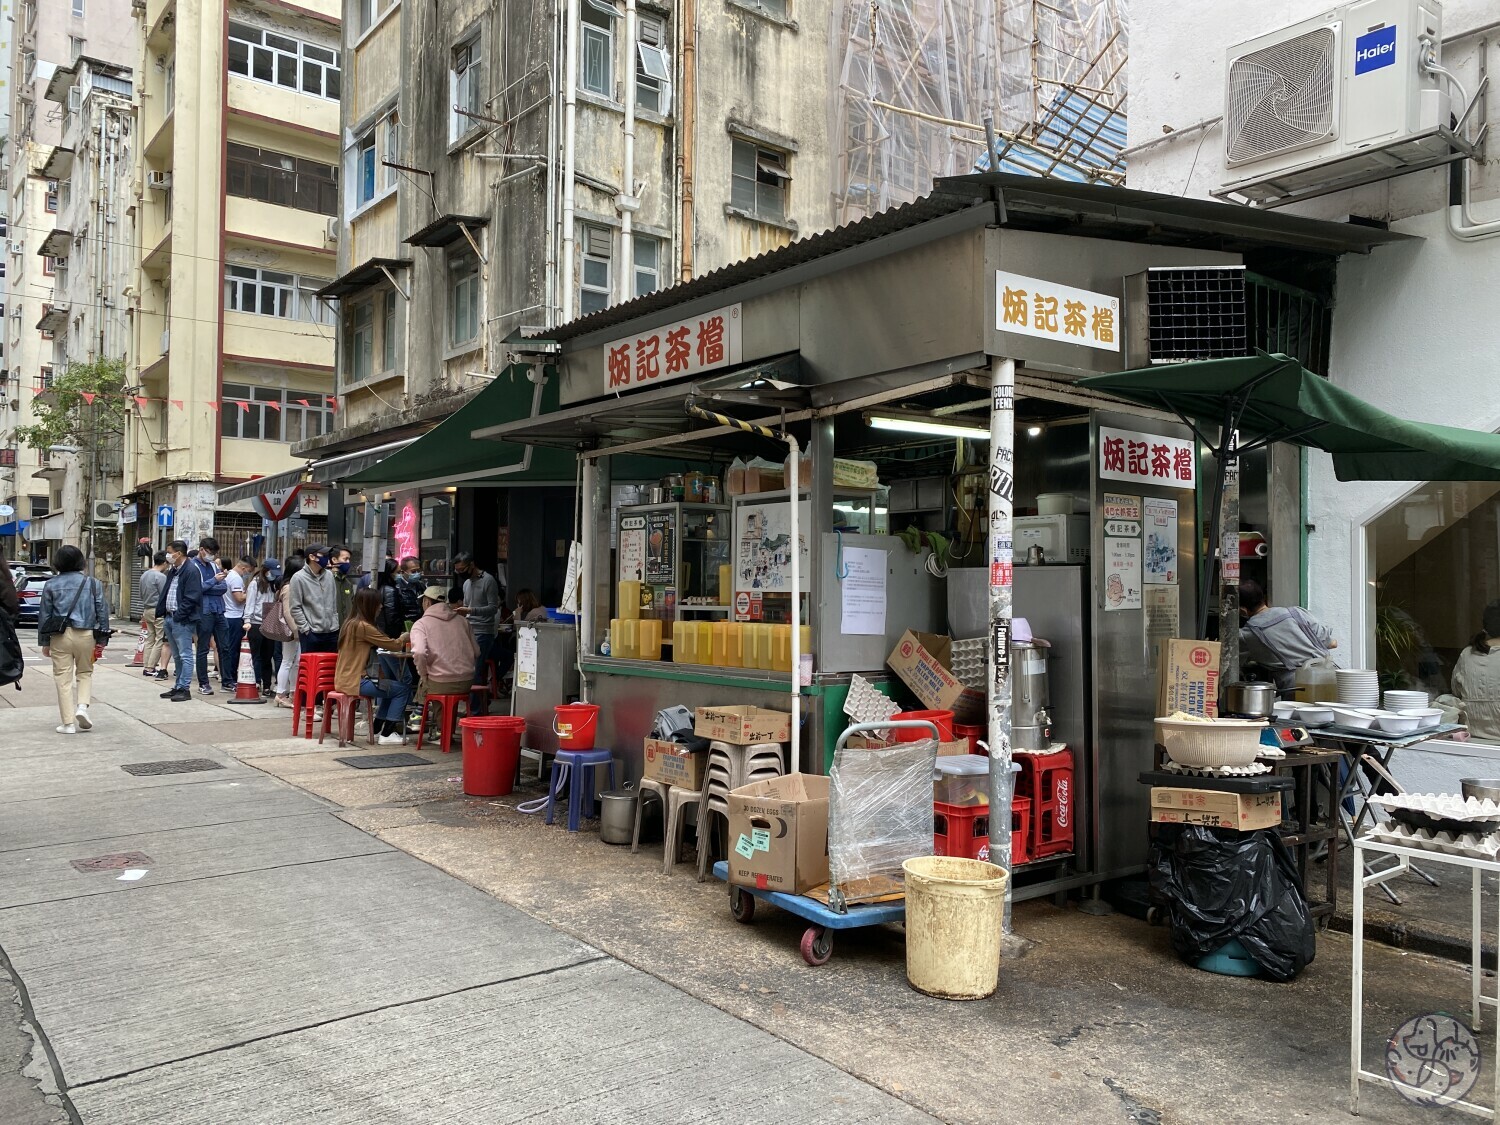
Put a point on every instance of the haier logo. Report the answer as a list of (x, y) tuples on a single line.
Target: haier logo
[(1375, 49)]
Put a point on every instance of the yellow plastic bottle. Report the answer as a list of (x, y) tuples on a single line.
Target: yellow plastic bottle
[(626, 642), (781, 648), (726, 595), (750, 646), (763, 653), (614, 636), (630, 600), (735, 649), (720, 656), (677, 642), (648, 639), (704, 649)]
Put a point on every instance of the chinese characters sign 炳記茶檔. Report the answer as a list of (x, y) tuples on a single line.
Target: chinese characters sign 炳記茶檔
[(673, 351), (1032, 307), (1146, 459)]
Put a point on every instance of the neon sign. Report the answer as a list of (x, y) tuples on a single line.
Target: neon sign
[(406, 531)]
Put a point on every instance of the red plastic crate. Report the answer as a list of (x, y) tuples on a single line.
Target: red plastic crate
[(964, 831), (1047, 781)]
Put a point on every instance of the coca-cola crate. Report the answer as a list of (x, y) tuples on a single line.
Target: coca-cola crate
[(964, 831), (1046, 780)]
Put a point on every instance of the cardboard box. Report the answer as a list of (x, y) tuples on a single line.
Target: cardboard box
[(1187, 677), (1213, 809), (945, 749), (743, 726), (778, 833), (672, 763), (924, 663)]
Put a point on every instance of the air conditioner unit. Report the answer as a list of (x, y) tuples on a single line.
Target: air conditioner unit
[(332, 233), (104, 511), (51, 187), (158, 181), (1335, 101)]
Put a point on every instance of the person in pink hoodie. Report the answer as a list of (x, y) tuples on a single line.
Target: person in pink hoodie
[(442, 645)]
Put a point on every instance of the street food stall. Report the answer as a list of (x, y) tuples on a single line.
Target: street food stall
[(814, 395)]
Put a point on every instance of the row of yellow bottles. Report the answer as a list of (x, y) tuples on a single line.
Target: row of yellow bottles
[(735, 644), (635, 639)]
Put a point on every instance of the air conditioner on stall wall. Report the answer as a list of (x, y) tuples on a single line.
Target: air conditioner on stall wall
[(1334, 101)]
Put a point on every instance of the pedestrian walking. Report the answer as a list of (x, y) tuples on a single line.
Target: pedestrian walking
[(213, 627), (314, 603), (72, 628), (291, 646), (10, 599), (158, 652), (181, 609), (235, 578), (260, 593)]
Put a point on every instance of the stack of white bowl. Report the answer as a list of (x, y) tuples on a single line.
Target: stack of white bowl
[(1406, 700), (1358, 687)]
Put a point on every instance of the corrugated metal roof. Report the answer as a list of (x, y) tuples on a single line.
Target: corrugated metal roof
[(1026, 203), (1077, 140)]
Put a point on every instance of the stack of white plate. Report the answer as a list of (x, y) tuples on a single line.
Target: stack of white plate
[(1406, 700), (1358, 687)]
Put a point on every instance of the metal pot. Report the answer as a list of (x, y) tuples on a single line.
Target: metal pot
[(1480, 788), (617, 815), (657, 495), (1249, 700)]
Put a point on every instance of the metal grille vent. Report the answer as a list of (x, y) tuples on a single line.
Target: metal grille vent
[(1281, 97), (1196, 314), (181, 765)]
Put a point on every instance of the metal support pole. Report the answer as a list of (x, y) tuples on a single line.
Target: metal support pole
[(1001, 557), (1229, 563)]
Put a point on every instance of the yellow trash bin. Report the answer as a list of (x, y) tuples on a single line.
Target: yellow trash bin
[(954, 911)]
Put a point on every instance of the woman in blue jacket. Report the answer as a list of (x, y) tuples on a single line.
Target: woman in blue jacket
[(72, 628)]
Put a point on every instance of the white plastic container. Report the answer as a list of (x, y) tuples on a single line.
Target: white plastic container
[(1353, 718), (1054, 504), (1315, 716), (1399, 724), (1221, 742)]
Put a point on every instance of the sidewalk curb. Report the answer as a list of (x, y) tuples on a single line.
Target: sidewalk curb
[(1401, 935)]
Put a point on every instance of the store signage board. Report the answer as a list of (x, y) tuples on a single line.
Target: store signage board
[(632, 548), (1146, 459), (1030, 306), (674, 351), (661, 548), (1161, 541), (1118, 506), (1126, 528)]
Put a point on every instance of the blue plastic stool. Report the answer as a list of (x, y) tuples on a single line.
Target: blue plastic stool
[(1230, 960), (580, 784)]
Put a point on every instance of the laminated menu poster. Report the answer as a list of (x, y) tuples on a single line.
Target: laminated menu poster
[(763, 551), (1122, 574), (632, 548), (526, 659), (1161, 541), (661, 548)]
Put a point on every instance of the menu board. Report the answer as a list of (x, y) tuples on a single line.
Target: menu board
[(763, 552), (661, 548), (632, 548), (1122, 574)]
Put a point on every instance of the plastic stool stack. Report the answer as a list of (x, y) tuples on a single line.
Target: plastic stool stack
[(582, 767), (314, 678), (675, 802), (729, 767)]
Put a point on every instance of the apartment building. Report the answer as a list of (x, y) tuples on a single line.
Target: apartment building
[(509, 167), (235, 200), (64, 246), (10, 518)]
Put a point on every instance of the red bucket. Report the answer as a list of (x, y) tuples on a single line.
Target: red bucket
[(492, 754), (943, 720), (575, 725)]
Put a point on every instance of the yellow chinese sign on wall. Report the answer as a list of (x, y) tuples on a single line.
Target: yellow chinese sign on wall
[(1032, 307)]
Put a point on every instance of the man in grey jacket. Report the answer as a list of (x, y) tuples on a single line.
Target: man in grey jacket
[(481, 606), (153, 584), (314, 603)]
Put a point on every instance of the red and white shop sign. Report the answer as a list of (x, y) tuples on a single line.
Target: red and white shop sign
[(674, 351), (1146, 459)]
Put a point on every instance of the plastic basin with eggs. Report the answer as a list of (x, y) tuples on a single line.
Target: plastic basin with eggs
[(1203, 743)]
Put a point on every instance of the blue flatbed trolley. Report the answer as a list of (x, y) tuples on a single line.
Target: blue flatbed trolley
[(817, 940)]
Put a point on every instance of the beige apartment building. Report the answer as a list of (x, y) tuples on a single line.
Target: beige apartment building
[(65, 253), (235, 203)]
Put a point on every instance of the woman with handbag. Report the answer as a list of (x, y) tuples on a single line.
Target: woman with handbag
[(278, 625), (260, 595), (72, 628)]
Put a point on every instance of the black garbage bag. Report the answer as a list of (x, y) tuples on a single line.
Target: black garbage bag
[(1218, 885)]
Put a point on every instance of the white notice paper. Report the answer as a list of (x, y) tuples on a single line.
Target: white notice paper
[(526, 658), (1122, 574), (862, 588), (1161, 541)]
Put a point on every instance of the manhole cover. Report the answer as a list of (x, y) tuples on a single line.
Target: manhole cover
[(383, 761), (115, 862), (185, 765)]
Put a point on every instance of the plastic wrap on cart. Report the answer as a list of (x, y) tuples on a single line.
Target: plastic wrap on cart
[(879, 810)]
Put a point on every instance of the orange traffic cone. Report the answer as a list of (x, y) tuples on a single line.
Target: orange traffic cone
[(140, 648), (246, 689)]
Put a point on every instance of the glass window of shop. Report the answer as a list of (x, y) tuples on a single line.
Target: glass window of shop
[(1435, 567)]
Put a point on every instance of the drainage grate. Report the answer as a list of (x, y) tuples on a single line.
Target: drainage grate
[(383, 761), (115, 862), (185, 765)]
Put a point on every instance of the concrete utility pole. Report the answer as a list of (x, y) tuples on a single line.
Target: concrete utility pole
[(1229, 563), (1001, 556)]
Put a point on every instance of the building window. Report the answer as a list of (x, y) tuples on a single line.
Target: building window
[(39, 505), (598, 47), (280, 60), (272, 413), (272, 293), (44, 377), (275, 177), (171, 84), (4, 226), (467, 88), (49, 266), (367, 163), (359, 341), (759, 181), (653, 66), (370, 11), (388, 331), (463, 297), (391, 134), (51, 197), (597, 245), (78, 8), (364, 169), (647, 254)]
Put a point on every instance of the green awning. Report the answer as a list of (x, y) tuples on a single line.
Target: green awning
[(1271, 398), (448, 455)]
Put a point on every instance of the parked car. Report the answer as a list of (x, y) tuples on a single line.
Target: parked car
[(29, 588)]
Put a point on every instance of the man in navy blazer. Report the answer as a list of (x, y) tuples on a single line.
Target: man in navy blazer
[(181, 608)]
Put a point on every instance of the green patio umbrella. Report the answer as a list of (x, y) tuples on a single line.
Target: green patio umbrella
[(1269, 398)]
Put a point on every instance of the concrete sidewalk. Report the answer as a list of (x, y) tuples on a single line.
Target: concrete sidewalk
[(276, 964)]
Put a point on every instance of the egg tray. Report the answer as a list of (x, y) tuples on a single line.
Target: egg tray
[(867, 704), (1255, 769), (1478, 845), (1440, 812), (969, 663)]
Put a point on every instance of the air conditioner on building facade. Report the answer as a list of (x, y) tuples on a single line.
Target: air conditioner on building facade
[(1341, 99), (158, 181), (332, 233), (105, 512)]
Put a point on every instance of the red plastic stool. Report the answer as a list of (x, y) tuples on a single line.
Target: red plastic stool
[(448, 721), (314, 678), (347, 707), (1047, 781)]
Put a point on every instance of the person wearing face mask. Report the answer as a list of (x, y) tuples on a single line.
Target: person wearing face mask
[(181, 608), (481, 606), (345, 582), (314, 603), (213, 626)]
